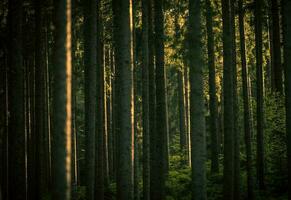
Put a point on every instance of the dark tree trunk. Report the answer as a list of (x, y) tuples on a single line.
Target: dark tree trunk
[(276, 47), (228, 171), (236, 135), (247, 125), (197, 118), (124, 105), (212, 89), (145, 100), (160, 161), (16, 120), (260, 103), (90, 61), (100, 133), (287, 65)]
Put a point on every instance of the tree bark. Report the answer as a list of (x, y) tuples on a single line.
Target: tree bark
[(62, 71), (212, 89), (287, 65), (16, 119), (259, 97), (228, 171), (145, 100), (90, 61), (276, 48), (247, 125), (197, 118), (124, 105)]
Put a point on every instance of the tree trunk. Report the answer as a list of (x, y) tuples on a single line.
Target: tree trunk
[(160, 160), (90, 61), (276, 47), (236, 135), (212, 89), (124, 105), (145, 100), (100, 134), (247, 126), (197, 118), (260, 103), (16, 120), (62, 71), (287, 65), (228, 171)]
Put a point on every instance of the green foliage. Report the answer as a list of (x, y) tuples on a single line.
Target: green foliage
[(275, 142)]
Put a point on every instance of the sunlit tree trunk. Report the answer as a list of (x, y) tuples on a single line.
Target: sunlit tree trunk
[(62, 71)]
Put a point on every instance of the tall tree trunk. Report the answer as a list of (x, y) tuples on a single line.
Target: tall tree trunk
[(124, 105), (212, 89), (62, 71), (3, 126), (40, 175), (236, 135), (247, 125), (152, 102), (228, 171), (90, 61), (197, 118), (260, 103), (276, 47), (145, 100), (287, 65), (16, 120), (182, 116), (100, 135), (160, 160)]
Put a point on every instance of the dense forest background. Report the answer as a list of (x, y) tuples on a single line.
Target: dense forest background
[(145, 99)]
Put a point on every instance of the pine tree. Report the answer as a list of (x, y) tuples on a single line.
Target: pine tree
[(16, 118), (247, 125), (197, 118), (90, 61), (124, 103), (62, 72)]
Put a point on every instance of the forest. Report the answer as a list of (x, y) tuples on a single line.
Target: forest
[(145, 99)]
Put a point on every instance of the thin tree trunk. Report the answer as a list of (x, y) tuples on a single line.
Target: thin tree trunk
[(260, 110), (100, 136), (3, 127), (145, 100), (236, 135), (287, 65), (212, 89), (276, 47), (90, 61)]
